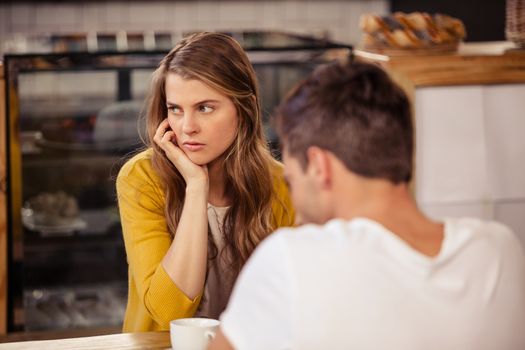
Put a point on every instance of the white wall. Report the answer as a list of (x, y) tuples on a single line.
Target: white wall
[(470, 152), (338, 19)]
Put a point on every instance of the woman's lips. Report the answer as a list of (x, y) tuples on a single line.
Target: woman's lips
[(193, 146)]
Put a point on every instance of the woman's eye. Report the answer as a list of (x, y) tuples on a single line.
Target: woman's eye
[(205, 109), (174, 110)]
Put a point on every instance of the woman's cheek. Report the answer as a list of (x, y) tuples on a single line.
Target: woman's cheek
[(171, 123), (175, 129)]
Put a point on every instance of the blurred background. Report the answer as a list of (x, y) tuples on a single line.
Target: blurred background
[(336, 20), (73, 78)]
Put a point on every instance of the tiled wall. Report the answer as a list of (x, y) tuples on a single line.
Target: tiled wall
[(338, 19)]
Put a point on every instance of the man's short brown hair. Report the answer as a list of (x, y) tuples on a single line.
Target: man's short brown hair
[(354, 110)]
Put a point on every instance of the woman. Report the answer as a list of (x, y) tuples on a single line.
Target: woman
[(195, 204)]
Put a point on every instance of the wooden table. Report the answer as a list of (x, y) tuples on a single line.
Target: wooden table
[(128, 341)]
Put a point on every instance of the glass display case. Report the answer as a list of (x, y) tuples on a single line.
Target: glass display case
[(73, 119)]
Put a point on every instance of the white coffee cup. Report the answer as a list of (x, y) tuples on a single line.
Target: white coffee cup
[(192, 333)]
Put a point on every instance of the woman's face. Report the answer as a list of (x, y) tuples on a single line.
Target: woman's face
[(203, 119)]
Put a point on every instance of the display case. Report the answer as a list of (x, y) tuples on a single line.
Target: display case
[(73, 118)]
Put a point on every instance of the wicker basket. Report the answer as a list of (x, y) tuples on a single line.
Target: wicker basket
[(515, 24)]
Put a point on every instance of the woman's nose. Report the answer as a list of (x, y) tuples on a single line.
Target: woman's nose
[(190, 124)]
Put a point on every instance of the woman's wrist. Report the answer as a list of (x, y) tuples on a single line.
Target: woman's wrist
[(197, 188)]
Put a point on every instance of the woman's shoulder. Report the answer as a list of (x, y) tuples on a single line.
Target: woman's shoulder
[(137, 176), (282, 206), (277, 174), (276, 169), (138, 166)]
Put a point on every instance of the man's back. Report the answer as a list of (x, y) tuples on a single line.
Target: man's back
[(357, 285), (348, 149)]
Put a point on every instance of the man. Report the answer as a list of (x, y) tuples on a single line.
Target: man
[(370, 271)]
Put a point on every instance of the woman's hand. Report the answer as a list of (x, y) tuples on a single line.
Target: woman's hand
[(194, 175)]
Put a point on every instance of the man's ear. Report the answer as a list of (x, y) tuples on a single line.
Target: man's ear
[(319, 166)]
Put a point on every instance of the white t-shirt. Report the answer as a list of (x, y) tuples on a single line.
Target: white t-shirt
[(356, 285)]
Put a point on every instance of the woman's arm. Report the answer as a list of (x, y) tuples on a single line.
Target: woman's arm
[(185, 261), (153, 293)]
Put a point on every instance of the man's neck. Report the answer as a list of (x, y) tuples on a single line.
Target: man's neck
[(394, 208)]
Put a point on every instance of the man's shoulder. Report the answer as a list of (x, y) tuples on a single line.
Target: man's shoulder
[(475, 227), (487, 237), (332, 232)]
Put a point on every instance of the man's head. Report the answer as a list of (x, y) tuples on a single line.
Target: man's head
[(354, 112)]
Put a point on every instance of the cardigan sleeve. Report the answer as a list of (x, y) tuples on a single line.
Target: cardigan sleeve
[(146, 238)]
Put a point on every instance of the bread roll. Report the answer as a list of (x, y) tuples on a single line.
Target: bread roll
[(413, 30)]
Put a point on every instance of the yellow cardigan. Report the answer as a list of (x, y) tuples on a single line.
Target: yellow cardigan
[(153, 298)]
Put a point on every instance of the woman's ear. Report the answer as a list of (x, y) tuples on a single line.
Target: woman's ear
[(319, 166)]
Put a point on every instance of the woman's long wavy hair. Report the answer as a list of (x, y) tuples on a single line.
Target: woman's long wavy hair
[(219, 61)]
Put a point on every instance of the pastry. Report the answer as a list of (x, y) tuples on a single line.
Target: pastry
[(409, 31)]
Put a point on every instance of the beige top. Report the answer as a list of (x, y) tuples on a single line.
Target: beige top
[(219, 279)]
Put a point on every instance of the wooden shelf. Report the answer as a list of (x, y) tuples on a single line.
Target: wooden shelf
[(476, 63)]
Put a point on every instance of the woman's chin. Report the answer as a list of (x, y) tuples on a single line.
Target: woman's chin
[(198, 159)]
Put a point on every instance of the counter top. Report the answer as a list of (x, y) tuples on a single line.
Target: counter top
[(472, 63), (128, 341)]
